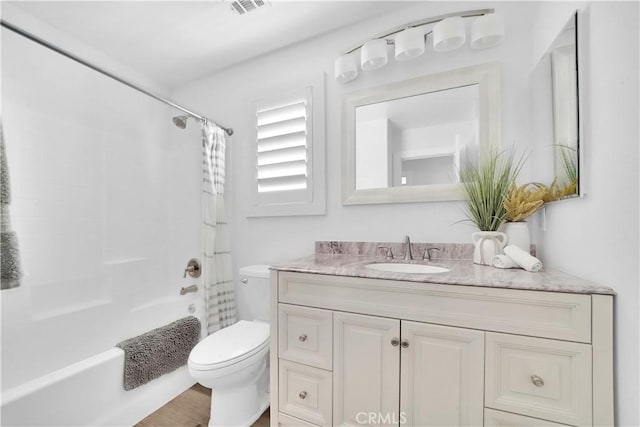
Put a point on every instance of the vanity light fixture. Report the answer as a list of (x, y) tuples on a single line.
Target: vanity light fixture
[(487, 31), (373, 54), (448, 33), (346, 68), (409, 43)]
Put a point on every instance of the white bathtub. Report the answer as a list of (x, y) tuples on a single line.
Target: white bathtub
[(89, 393)]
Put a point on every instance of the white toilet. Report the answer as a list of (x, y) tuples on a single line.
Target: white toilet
[(233, 361)]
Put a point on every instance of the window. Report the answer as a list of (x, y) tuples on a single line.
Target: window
[(289, 163), (282, 131)]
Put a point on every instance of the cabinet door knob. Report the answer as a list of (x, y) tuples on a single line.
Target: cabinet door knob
[(537, 381), (404, 343), (395, 341), (302, 337), (303, 395)]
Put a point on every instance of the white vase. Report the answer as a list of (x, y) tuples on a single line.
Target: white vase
[(518, 235), (486, 245)]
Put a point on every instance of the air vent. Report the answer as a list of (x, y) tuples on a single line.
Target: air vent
[(243, 6)]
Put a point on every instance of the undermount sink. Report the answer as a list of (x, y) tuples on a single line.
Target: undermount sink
[(407, 268)]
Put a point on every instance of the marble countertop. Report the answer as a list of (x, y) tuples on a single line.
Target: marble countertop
[(463, 272)]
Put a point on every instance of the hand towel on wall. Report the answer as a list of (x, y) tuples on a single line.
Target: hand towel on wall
[(10, 268)]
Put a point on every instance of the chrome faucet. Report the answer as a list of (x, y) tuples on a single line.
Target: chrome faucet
[(407, 249), (188, 289)]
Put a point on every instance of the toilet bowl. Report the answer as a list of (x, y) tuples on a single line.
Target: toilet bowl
[(233, 362)]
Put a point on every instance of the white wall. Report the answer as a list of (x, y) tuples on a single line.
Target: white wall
[(584, 237), (105, 204), (372, 154), (596, 237), (227, 95)]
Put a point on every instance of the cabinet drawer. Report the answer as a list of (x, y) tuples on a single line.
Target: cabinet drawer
[(305, 335), (505, 419), (555, 315), (305, 392), (538, 377)]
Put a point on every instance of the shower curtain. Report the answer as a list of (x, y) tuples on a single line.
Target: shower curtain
[(220, 304), (10, 270)]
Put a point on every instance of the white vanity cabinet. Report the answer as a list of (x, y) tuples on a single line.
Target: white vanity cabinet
[(353, 351)]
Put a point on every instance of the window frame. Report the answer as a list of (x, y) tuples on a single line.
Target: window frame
[(310, 201)]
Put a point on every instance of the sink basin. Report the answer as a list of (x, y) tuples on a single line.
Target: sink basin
[(407, 268)]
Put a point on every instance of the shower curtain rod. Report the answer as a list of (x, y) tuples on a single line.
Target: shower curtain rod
[(73, 57)]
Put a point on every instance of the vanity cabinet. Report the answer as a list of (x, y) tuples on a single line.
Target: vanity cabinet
[(366, 375), (352, 351)]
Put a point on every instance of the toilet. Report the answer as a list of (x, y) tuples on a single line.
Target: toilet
[(233, 361)]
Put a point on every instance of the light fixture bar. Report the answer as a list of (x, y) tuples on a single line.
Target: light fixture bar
[(420, 23)]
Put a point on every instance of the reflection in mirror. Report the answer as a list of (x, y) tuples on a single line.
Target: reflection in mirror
[(418, 140), (555, 97), (407, 141)]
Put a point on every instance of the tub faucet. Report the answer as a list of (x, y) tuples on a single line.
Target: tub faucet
[(407, 249), (188, 289)]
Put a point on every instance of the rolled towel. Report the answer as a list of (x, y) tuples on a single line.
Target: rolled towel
[(522, 258), (504, 261)]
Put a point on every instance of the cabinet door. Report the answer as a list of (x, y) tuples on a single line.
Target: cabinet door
[(442, 375), (366, 371)]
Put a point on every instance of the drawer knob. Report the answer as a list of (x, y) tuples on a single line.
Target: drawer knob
[(303, 395), (404, 343), (395, 341), (537, 381), (302, 337)]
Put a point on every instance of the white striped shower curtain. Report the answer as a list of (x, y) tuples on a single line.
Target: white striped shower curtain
[(217, 275)]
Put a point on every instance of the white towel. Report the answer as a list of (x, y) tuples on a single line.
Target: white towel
[(504, 261), (522, 258)]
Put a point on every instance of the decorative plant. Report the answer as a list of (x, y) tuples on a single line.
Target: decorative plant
[(556, 192), (523, 201), (487, 186), (565, 185), (569, 156)]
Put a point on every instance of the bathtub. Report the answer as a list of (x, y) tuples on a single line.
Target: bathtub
[(90, 392)]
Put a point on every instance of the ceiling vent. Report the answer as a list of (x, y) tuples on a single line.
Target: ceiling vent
[(243, 6)]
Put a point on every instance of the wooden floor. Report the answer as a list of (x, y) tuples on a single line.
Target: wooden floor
[(189, 409)]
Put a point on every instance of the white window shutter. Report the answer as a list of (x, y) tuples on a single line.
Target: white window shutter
[(283, 157), (289, 152)]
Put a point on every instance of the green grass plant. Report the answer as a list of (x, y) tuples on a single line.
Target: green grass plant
[(487, 185)]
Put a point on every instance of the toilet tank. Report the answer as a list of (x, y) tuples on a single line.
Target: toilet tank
[(252, 293)]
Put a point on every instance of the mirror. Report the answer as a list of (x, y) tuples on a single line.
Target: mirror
[(407, 141), (418, 140), (555, 94)]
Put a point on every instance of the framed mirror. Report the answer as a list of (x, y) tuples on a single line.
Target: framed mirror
[(407, 141), (556, 97)]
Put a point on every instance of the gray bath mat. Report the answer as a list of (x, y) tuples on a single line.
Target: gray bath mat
[(158, 351)]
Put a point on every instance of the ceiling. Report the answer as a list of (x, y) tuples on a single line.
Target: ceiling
[(175, 42)]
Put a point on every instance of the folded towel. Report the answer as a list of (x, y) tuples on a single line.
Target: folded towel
[(504, 261), (158, 351), (522, 258)]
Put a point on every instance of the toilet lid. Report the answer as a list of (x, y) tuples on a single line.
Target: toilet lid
[(230, 345)]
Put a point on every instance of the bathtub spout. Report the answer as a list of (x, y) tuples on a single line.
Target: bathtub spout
[(192, 288)]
